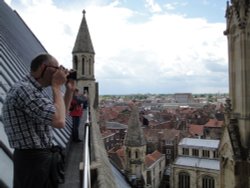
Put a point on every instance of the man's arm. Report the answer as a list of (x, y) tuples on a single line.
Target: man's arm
[(70, 88), (60, 112), (58, 79)]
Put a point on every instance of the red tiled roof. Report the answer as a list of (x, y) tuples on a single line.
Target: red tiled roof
[(151, 158), (214, 123), (149, 161), (121, 152), (156, 155), (196, 130)]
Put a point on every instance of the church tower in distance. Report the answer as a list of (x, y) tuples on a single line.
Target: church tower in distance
[(83, 62), (135, 150), (235, 141)]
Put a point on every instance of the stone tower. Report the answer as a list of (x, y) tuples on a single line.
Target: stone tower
[(135, 150), (235, 142), (83, 62)]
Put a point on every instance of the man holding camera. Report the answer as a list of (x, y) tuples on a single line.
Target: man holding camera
[(29, 116)]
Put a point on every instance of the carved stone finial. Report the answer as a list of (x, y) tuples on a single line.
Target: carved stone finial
[(241, 9)]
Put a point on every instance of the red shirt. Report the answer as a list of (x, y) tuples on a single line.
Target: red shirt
[(75, 108)]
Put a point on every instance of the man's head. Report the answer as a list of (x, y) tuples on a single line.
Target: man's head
[(43, 67)]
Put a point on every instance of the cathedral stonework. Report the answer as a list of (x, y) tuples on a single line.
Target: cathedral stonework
[(235, 141)]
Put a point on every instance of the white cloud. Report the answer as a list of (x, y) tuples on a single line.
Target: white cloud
[(166, 53), (169, 6), (8, 2), (153, 6)]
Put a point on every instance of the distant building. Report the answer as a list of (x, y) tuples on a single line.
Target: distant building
[(196, 131), (213, 129), (135, 151), (142, 170), (108, 139), (168, 144), (155, 164), (119, 129), (183, 98), (197, 164)]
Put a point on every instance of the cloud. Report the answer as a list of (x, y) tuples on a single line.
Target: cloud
[(164, 53), (153, 6), (8, 2), (169, 6)]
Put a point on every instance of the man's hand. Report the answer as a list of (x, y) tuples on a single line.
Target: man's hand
[(59, 77)]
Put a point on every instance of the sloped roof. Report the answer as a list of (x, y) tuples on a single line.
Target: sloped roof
[(196, 130), (134, 136), (152, 158), (83, 41), (17, 36), (115, 125), (213, 123), (203, 143), (198, 162)]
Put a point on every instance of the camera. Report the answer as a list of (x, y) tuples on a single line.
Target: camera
[(72, 75)]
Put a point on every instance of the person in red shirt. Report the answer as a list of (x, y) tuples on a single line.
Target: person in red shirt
[(76, 111)]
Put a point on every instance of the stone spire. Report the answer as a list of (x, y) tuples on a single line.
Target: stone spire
[(83, 41), (134, 136)]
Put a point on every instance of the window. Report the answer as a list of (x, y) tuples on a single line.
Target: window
[(83, 65), (75, 62), (89, 66), (185, 151), (184, 180), (148, 177), (168, 151), (205, 153), (208, 182), (168, 142), (195, 152), (136, 154), (129, 154), (216, 154)]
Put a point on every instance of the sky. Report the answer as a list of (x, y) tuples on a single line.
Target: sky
[(141, 46)]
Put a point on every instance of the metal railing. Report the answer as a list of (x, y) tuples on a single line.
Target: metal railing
[(86, 168)]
